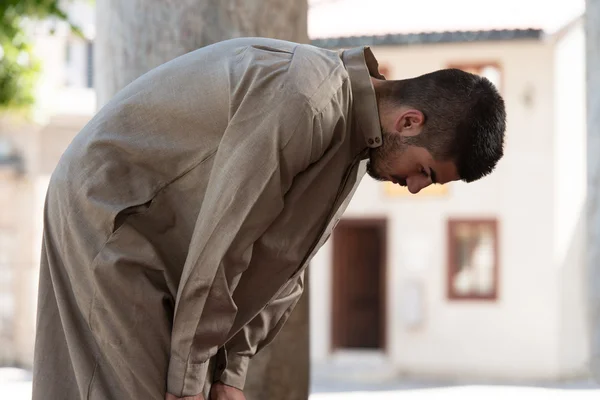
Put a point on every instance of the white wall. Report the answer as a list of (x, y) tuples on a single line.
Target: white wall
[(569, 194), (16, 220), (515, 337), (59, 114), (21, 211), (62, 85)]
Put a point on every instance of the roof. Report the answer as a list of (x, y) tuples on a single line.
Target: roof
[(335, 18), (406, 39)]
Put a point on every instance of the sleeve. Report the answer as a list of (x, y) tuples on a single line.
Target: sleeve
[(254, 167), (259, 333)]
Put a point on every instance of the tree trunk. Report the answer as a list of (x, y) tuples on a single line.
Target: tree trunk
[(135, 36), (592, 24)]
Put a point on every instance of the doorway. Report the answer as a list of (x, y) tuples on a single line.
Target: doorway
[(359, 269)]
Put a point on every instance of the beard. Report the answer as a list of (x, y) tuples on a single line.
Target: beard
[(382, 158)]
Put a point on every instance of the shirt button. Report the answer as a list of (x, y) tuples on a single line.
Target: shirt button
[(371, 141), (377, 140)]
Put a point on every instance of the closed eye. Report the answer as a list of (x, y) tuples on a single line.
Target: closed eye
[(431, 174)]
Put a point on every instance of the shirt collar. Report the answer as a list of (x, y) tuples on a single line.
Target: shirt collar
[(361, 65)]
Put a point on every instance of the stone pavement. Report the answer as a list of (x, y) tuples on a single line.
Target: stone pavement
[(467, 393), (16, 385), (414, 390)]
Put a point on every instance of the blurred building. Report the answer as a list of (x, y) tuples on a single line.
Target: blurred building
[(483, 280), (29, 151), (471, 281)]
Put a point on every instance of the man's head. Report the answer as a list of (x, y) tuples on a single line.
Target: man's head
[(439, 127)]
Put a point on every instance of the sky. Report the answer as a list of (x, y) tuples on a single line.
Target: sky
[(331, 18)]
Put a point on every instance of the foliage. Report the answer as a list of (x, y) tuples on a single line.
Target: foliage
[(18, 66)]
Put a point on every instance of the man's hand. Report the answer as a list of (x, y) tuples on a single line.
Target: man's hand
[(221, 391), (171, 397)]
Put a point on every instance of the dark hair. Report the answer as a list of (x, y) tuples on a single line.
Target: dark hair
[(465, 118)]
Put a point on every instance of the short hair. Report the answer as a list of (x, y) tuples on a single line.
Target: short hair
[(465, 118)]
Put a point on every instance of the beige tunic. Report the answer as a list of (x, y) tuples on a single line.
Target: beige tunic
[(179, 222)]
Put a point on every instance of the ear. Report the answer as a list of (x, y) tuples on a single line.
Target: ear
[(410, 122)]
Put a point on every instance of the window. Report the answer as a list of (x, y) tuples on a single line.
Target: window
[(384, 70), (472, 259), (79, 64), (68, 52), (89, 72), (491, 71), (393, 190)]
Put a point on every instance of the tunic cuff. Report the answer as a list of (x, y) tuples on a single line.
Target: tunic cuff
[(185, 379), (234, 373)]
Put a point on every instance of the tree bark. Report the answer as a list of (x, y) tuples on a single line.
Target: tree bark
[(135, 36), (592, 28), (281, 370)]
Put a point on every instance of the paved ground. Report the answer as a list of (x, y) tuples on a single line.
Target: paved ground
[(16, 385), (413, 390), (466, 393)]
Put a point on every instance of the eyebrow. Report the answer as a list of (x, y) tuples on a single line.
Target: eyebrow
[(433, 176)]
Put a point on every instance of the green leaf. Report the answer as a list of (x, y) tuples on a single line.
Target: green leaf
[(19, 68)]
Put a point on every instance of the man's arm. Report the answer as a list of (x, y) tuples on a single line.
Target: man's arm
[(259, 332), (274, 133), (253, 169)]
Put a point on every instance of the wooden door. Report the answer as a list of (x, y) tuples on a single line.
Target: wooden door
[(359, 284)]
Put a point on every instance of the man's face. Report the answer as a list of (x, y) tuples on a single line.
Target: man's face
[(407, 165)]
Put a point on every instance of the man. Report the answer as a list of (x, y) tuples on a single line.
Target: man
[(180, 220)]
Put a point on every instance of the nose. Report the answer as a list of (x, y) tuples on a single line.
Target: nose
[(416, 183)]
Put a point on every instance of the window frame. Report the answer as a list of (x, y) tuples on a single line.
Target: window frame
[(385, 70), (479, 66), (452, 268)]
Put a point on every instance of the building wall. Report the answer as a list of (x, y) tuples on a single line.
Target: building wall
[(521, 335), (22, 197), (569, 192), (16, 237), (516, 336), (63, 107)]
